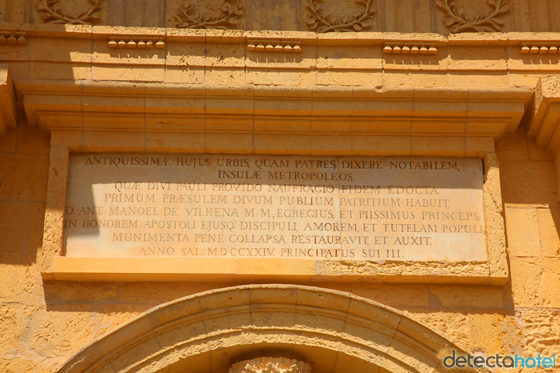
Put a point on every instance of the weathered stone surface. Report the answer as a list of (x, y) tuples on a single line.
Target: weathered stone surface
[(540, 329)]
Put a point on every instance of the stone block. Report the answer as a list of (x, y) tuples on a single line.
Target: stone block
[(532, 280), (14, 218), (387, 145), (477, 59), (280, 77), (477, 146), (216, 142), (495, 332), (178, 142), (23, 177), (528, 182), (513, 146), (466, 297), (541, 331), (186, 75), (287, 144), (129, 73), (10, 319), (60, 331), (458, 79), (453, 324), (522, 227), (389, 294), (109, 140), (408, 79), (349, 78), (8, 141), (539, 153), (549, 223), (112, 316), (438, 145), (71, 292), (333, 144), (32, 140)]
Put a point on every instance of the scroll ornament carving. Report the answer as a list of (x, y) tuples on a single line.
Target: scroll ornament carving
[(51, 13), (323, 22), (188, 16), (270, 365), (457, 21)]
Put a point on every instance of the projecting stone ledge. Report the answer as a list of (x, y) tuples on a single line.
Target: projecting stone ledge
[(8, 112)]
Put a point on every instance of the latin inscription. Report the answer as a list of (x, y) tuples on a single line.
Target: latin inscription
[(320, 208)]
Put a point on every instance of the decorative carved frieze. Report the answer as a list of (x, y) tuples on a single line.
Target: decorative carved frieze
[(13, 38), (410, 48), (321, 21), (456, 20), (188, 16), (135, 43), (274, 46), (540, 48), (51, 12), (270, 365)]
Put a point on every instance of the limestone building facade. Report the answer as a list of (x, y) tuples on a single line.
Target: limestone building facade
[(298, 85)]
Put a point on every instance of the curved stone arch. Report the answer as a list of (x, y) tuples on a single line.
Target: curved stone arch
[(331, 330)]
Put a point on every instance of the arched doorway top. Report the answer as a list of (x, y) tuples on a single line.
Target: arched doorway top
[(331, 330)]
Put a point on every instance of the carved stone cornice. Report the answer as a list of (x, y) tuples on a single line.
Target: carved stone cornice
[(456, 20), (46, 108), (51, 13), (270, 365), (545, 120)]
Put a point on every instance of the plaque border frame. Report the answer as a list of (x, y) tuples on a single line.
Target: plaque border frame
[(55, 266)]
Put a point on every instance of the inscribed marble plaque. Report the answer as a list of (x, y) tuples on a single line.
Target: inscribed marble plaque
[(256, 206)]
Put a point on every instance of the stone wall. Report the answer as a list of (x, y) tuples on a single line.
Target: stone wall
[(43, 323)]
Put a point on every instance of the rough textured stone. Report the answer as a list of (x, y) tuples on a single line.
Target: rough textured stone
[(205, 91)]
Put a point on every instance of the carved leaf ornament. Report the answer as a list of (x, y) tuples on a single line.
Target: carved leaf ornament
[(270, 365), (457, 21), (51, 13), (187, 16), (323, 22)]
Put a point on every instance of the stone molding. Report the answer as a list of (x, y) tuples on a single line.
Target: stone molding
[(337, 331), (270, 365), (545, 117)]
